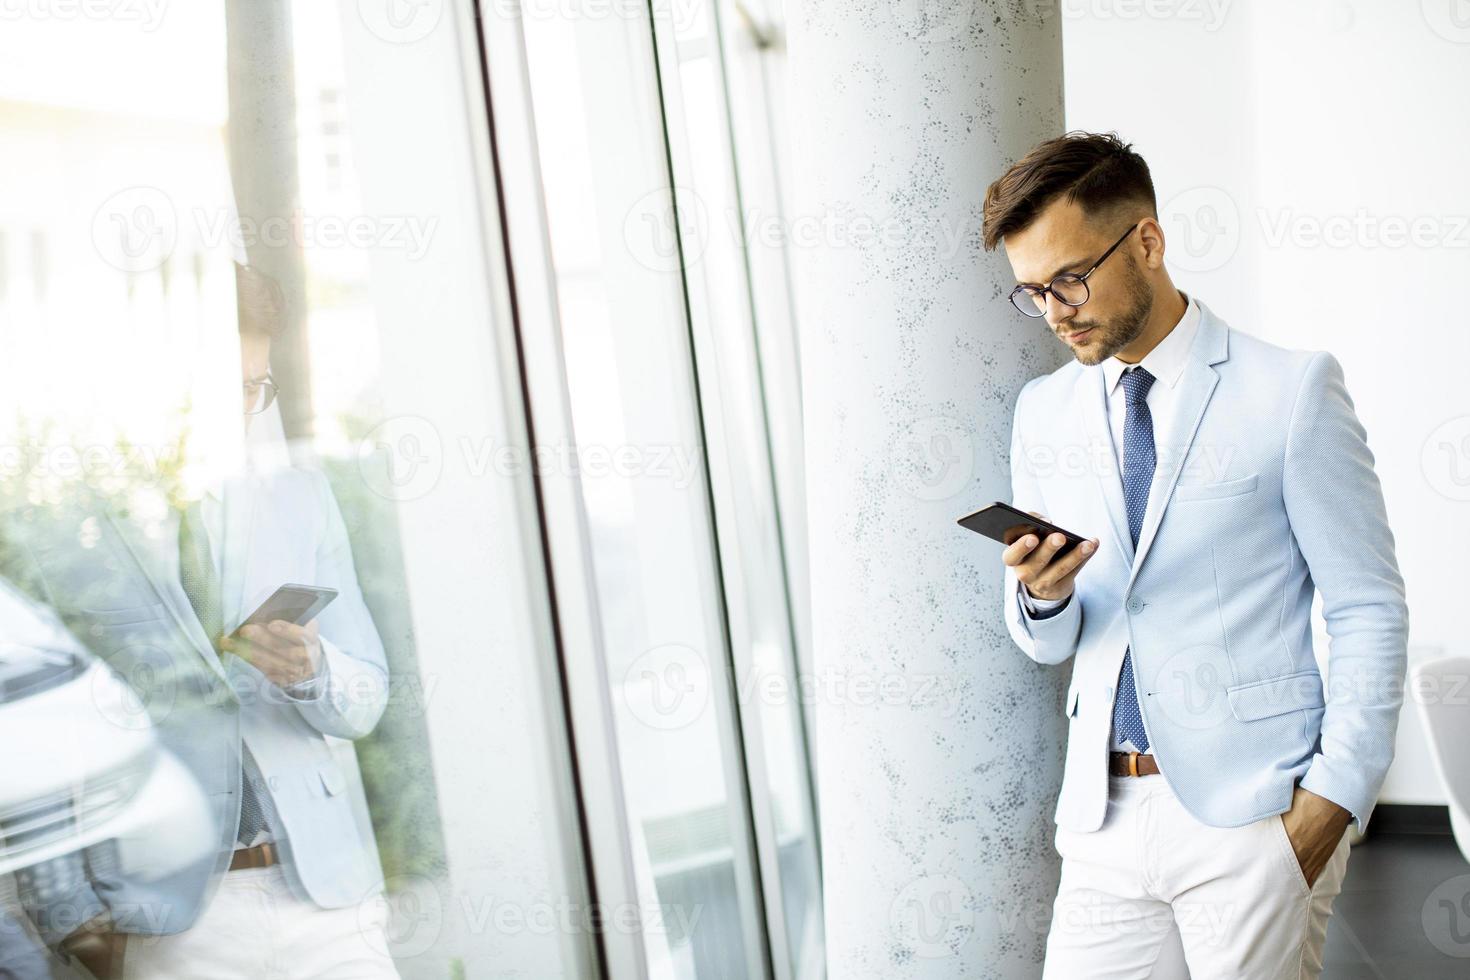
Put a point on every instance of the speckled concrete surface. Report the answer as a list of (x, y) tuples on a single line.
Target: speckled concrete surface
[(939, 744)]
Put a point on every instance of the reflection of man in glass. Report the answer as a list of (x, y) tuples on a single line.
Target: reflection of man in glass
[(304, 858), (295, 891)]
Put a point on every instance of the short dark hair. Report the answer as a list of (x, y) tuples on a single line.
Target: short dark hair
[(1097, 171), (259, 302)]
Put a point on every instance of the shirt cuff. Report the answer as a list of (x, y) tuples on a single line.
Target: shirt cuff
[(313, 687), (1037, 608)]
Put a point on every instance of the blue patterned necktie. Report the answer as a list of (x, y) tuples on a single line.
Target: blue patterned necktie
[(1138, 473)]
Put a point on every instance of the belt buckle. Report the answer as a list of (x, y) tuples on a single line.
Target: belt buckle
[(1133, 763), (259, 856)]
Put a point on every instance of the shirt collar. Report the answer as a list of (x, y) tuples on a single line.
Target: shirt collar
[(1166, 361)]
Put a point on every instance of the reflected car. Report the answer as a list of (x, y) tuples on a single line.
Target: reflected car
[(83, 779)]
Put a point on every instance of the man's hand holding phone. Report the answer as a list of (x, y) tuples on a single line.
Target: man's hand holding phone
[(1044, 578), (285, 653)]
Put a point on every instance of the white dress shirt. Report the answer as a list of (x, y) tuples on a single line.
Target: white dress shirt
[(212, 506), (212, 513), (1166, 363)]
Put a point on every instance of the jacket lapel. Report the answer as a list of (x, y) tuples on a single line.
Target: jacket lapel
[(1196, 385), (151, 558)]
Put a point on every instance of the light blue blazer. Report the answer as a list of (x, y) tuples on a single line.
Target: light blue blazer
[(1265, 495)]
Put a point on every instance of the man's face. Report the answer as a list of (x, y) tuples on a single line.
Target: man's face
[(1063, 239), (255, 366)]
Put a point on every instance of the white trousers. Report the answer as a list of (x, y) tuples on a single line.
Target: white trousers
[(257, 929), (1153, 878)]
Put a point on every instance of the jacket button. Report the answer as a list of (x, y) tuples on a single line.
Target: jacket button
[(1135, 605)]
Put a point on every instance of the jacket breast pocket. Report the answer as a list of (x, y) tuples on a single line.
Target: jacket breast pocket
[(332, 780), (1215, 491), (131, 616)]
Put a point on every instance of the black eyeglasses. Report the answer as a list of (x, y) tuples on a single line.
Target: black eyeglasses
[(1068, 288), (259, 395)]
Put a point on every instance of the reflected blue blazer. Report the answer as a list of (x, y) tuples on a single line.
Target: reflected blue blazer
[(122, 594)]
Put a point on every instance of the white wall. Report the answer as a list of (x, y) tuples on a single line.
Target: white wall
[(1310, 160)]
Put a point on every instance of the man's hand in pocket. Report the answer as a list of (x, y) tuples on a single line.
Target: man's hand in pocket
[(1314, 825)]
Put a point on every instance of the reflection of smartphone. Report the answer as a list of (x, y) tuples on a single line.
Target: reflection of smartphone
[(1007, 525), (297, 604)]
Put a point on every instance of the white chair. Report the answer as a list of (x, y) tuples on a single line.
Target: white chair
[(1442, 690)]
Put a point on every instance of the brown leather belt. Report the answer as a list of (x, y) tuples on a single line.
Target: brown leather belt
[(259, 856), (1131, 764)]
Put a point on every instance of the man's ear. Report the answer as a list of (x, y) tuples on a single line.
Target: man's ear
[(1151, 236)]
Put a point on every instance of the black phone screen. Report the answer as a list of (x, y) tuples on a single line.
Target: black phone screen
[(1006, 524)]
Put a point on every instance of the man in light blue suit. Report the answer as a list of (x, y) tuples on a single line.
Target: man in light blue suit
[(1222, 481)]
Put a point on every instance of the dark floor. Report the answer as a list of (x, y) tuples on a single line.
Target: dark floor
[(1404, 911)]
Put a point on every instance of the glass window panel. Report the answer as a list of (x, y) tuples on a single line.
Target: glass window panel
[(404, 750), (635, 412), (756, 577)]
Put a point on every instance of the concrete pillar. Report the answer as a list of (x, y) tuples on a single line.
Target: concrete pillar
[(260, 53), (939, 745)]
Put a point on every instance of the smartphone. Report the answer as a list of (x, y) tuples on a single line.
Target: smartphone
[(1007, 525), (298, 604)]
